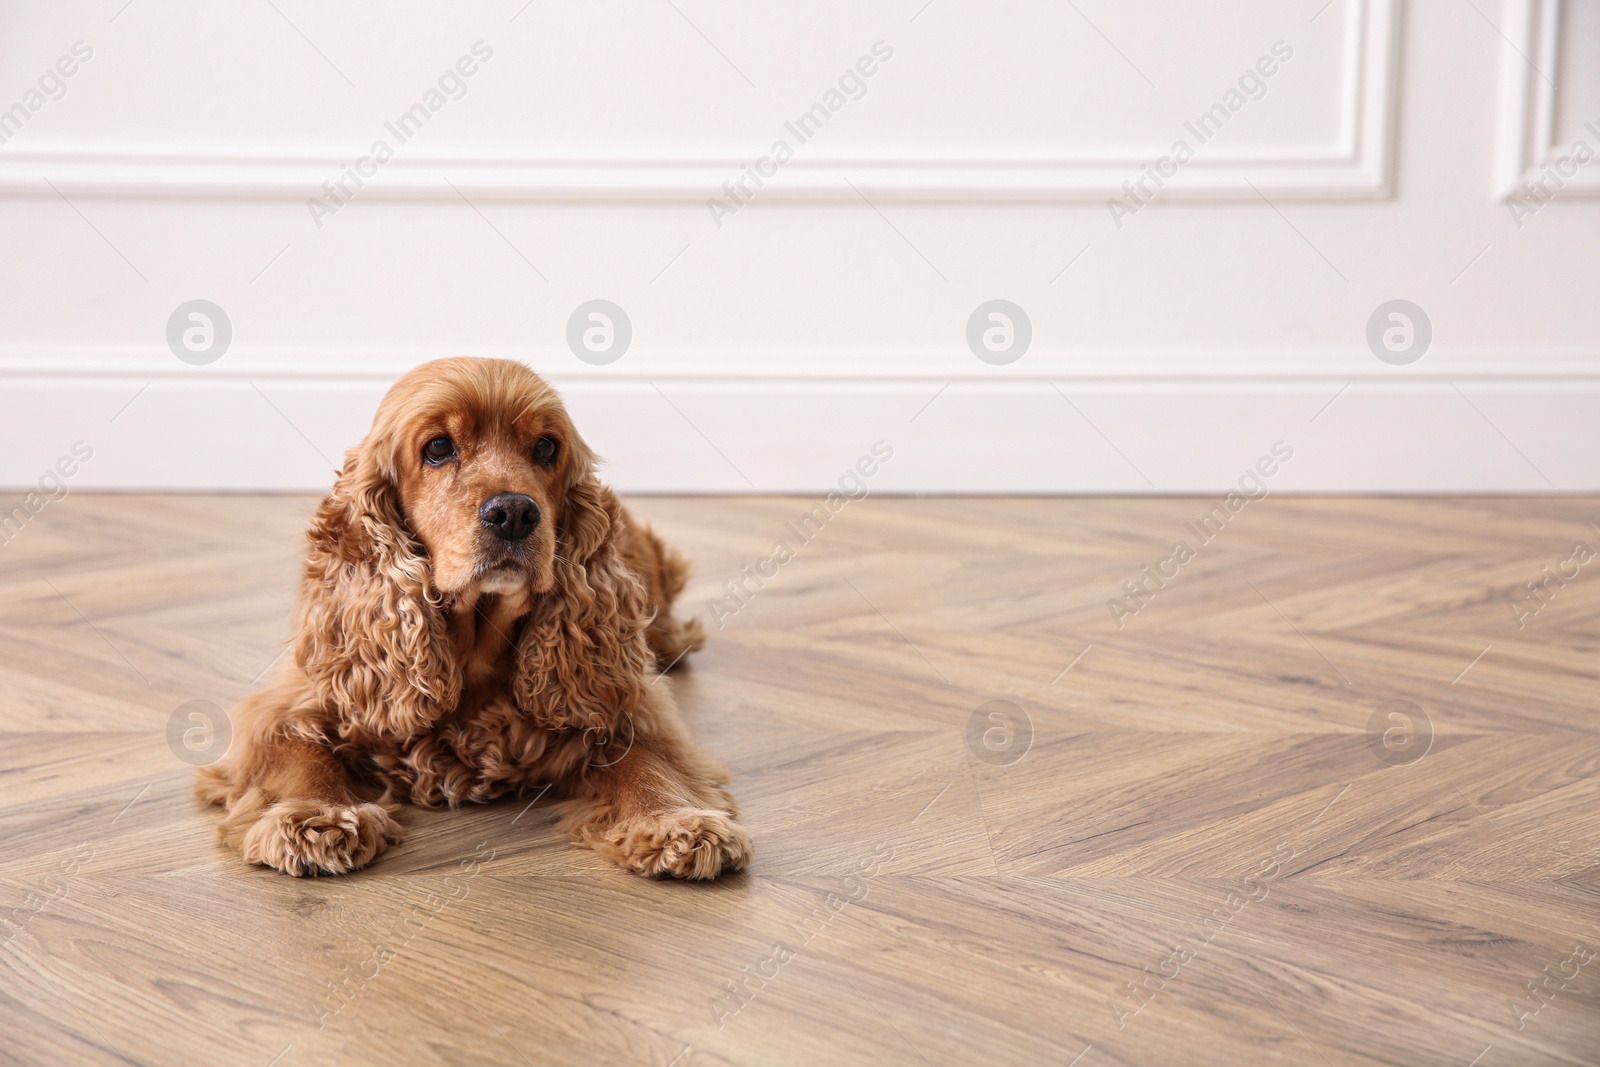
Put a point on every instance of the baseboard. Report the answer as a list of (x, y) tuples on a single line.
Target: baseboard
[(665, 422)]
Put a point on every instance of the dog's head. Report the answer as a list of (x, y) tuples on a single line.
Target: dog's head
[(481, 457), (473, 481)]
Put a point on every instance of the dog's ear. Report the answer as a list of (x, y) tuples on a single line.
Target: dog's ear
[(583, 660), (371, 636)]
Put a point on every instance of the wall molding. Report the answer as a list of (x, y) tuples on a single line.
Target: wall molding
[(1493, 426), (1529, 84), (279, 419), (1357, 166), (313, 366)]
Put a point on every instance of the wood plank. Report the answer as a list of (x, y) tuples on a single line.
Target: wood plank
[(910, 902)]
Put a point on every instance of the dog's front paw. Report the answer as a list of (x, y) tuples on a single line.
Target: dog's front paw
[(304, 837), (681, 843)]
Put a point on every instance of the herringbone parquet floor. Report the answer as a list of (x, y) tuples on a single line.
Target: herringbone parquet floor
[(1327, 796)]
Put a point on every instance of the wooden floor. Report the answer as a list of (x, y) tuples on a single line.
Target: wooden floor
[(1208, 836)]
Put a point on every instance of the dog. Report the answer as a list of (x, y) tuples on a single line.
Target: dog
[(478, 616)]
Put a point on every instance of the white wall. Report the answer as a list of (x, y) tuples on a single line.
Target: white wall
[(1172, 345)]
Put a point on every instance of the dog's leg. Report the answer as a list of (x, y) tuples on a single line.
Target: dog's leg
[(664, 573), (289, 804), (671, 639), (655, 805)]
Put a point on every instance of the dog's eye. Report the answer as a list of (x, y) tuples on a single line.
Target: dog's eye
[(438, 450), (545, 450)]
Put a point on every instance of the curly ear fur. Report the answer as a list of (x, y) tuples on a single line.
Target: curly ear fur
[(371, 638), (583, 659)]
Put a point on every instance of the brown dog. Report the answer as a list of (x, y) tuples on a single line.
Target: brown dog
[(478, 616)]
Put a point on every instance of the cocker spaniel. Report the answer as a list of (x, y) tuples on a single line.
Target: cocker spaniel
[(477, 616)]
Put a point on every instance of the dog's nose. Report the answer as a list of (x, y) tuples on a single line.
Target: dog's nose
[(512, 516)]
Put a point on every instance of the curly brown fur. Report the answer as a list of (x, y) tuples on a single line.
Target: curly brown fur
[(664, 573), (441, 658)]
